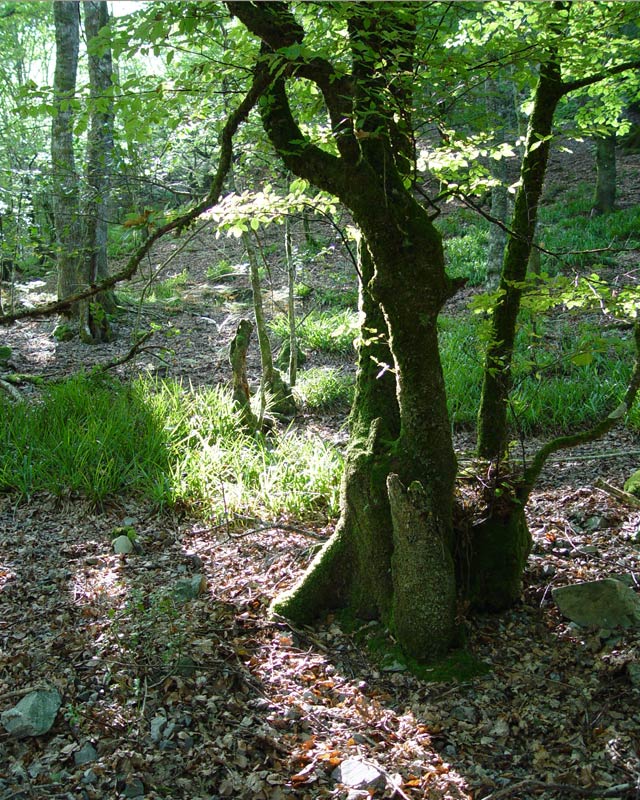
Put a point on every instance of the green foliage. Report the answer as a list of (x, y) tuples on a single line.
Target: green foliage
[(466, 255), (327, 331), (168, 290), (163, 443), (324, 388), (343, 297), (566, 375), (220, 270), (567, 226)]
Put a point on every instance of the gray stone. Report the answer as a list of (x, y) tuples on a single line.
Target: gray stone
[(358, 774), (134, 788), (122, 545), (157, 725), (85, 755), (601, 604), (189, 588), (33, 715)]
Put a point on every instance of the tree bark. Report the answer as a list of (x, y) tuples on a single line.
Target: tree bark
[(492, 416), (94, 320), (407, 286), (605, 195), (65, 177)]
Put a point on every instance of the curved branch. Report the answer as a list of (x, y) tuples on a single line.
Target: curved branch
[(589, 80), (298, 153), (234, 120), (277, 28), (573, 440)]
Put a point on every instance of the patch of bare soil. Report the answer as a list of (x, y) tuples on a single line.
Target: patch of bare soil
[(206, 697)]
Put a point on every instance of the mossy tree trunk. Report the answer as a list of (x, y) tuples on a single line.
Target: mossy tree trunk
[(492, 416), (401, 437), (272, 383)]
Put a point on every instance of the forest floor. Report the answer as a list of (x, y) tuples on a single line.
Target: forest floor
[(213, 699)]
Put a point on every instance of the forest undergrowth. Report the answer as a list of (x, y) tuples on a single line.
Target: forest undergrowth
[(168, 694)]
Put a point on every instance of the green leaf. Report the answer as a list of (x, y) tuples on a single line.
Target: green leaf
[(582, 359)]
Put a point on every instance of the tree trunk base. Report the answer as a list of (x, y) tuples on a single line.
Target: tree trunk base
[(499, 549), (424, 579), (351, 572)]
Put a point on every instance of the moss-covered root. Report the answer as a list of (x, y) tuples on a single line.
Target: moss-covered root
[(423, 570), (499, 550), (325, 585)]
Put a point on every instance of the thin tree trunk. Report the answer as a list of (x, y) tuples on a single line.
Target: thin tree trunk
[(99, 159), (280, 400), (605, 195), (291, 304), (65, 177), (492, 417)]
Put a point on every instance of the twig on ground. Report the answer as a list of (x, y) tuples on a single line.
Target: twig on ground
[(9, 389), (619, 494), (134, 350)]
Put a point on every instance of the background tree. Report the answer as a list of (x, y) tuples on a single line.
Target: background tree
[(66, 200), (99, 166)]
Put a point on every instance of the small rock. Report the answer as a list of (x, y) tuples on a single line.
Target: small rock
[(358, 774), (134, 788), (189, 588), (588, 549), (122, 545), (85, 755), (157, 725), (33, 715), (625, 577), (600, 604)]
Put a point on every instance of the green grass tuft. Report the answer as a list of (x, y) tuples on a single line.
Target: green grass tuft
[(324, 388), (328, 331), (166, 444)]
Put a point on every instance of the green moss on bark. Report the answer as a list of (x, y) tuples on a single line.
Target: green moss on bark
[(500, 547)]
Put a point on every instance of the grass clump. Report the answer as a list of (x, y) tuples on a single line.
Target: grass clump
[(569, 227), (166, 444), (565, 377), (324, 388), (331, 331)]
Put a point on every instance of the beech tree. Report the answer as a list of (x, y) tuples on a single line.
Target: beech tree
[(396, 553), (81, 216), (403, 550)]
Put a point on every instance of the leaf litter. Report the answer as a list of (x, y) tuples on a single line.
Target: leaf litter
[(209, 697)]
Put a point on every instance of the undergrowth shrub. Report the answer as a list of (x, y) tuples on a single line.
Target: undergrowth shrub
[(565, 377)]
